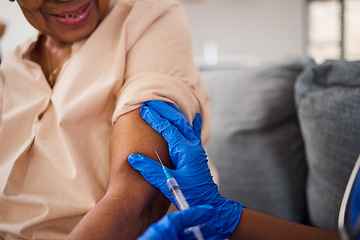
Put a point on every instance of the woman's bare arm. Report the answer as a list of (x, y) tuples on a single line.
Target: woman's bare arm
[(130, 204), (254, 225)]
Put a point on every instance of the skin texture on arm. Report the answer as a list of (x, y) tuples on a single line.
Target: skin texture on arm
[(255, 225), (130, 204)]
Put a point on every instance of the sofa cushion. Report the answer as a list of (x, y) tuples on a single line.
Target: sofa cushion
[(328, 98), (255, 142)]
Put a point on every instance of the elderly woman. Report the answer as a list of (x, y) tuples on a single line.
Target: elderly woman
[(69, 116)]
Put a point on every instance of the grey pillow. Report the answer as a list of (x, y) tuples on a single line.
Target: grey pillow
[(255, 142), (328, 98)]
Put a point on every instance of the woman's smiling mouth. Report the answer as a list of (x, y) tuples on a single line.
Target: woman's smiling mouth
[(74, 18)]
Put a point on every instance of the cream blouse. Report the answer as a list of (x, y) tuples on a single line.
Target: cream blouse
[(54, 158)]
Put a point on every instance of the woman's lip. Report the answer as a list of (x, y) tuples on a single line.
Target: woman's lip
[(74, 18), (63, 14)]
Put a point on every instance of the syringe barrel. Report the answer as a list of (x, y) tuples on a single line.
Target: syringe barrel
[(177, 194), (182, 203)]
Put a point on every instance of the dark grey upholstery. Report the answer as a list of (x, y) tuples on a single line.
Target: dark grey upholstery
[(328, 98), (256, 143)]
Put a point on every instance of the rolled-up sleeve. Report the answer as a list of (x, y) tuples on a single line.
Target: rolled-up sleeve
[(159, 63)]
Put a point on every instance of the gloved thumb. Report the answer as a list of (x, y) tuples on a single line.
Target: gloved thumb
[(149, 169)]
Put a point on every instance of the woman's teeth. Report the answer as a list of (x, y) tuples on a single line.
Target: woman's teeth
[(72, 15)]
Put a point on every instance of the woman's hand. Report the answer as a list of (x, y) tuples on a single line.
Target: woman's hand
[(190, 161)]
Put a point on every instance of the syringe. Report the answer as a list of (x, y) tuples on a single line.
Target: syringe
[(179, 197)]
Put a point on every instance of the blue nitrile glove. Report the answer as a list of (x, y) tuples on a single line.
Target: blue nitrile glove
[(191, 168), (173, 226), (354, 208)]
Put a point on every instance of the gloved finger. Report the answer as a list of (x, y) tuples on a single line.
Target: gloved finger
[(151, 170), (204, 213), (171, 134), (160, 124), (172, 226), (193, 216), (215, 237), (173, 114), (153, 234), (197, 124), (207, 230)]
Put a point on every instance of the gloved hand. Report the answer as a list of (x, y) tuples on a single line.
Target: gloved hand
[(173, 226), (191, 168)]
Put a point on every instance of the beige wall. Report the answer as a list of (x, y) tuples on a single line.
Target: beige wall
[(266, 30), (17, 28)]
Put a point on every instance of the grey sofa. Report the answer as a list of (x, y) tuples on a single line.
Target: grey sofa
[(285, 137)]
